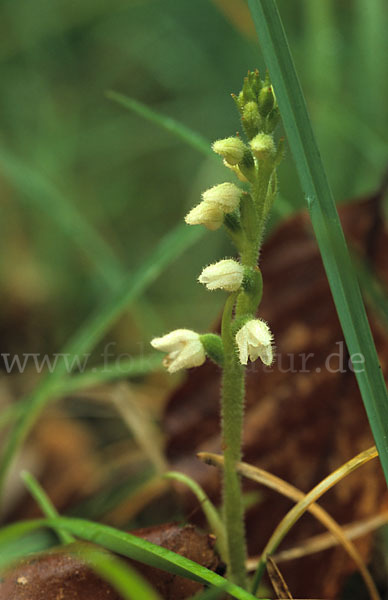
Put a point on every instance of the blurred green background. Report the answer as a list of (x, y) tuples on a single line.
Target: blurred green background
[(88, 188)]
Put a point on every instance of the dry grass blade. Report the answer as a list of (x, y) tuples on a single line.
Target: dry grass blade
[(317, 543), (279, 585), (140, 423), (288, 490)]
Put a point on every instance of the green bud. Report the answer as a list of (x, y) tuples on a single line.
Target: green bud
[(239, 101), (251, 119), (256, 83), (266, 100), (247, 91), (214, 349), (263, 146)]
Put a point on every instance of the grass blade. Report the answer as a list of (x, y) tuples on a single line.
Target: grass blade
[(120, 575), (131, 367), (289, 491), (303, 505), (45, 504), (210, 511), (180, 131), (324, 217)]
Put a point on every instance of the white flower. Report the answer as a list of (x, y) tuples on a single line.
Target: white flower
[(254, 340), (225, 196), (217, 201), (206, 214), (231, 149), (262, 145), (226, 274), (184, 349)]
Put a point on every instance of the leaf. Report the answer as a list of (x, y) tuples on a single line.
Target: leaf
[(324, 217)]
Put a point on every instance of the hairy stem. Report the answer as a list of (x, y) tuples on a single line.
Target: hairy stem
[(232, 422)]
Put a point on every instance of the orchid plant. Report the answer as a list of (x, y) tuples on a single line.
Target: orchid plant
[(243, 212)]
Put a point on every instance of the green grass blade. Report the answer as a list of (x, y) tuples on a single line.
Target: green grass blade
[(131, 367), (127, 545), (180, 131), (210, 594), (126, 580), (213, 518), (324, 217), (170, 247), (376, 293), (45, 504), (43, 195)]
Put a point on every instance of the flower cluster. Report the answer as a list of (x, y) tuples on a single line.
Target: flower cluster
[(243, 214)]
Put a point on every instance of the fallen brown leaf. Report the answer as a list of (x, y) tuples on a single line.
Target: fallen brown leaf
[(60, 574)]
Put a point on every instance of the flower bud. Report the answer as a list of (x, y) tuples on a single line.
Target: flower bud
[(231, 149), (225, 196), (263, 146), (206, 214), (225, 275), (213, 347), (266, 100), (184, 349), (254, 340), (251, 119)]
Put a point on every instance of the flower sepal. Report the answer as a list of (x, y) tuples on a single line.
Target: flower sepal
[(213, 347)]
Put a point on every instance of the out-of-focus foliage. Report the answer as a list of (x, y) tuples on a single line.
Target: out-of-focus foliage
[(87, 188)]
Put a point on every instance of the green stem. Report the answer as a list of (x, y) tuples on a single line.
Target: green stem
[(232, 423), (260, 192)]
